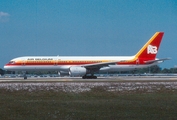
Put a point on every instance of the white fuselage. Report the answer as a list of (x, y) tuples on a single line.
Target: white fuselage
[(63, 63)]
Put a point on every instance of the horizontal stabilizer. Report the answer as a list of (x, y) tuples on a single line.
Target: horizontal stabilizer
[(152, 61)]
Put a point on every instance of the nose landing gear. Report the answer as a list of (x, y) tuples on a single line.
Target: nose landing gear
[(24, 75)]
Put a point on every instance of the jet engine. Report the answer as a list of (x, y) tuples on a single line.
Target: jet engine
[(77, 71)]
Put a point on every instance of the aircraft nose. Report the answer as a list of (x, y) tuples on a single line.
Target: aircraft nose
[(6, 67)]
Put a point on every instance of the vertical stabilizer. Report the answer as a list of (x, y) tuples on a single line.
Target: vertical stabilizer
[(150, 49)]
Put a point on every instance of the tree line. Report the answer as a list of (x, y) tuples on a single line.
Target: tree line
[(156, 69)]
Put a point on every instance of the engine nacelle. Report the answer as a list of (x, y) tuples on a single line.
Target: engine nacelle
[(77, 71)]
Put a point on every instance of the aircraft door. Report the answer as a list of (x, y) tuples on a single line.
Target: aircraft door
[(23, 62), (55, 62)]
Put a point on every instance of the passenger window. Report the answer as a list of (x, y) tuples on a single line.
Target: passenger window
[(12, 62)]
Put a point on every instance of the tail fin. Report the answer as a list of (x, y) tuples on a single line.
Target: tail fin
[(150, 49)]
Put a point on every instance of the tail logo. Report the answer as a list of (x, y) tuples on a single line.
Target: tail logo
[(151, 49)]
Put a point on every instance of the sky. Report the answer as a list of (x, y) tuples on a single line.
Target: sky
[(86, 28)]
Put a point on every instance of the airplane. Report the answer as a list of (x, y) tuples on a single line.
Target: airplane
[(87, 66)]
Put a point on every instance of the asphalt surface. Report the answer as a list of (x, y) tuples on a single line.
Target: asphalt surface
[(100, 79)]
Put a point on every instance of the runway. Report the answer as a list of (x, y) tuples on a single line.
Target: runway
[(100, 79)]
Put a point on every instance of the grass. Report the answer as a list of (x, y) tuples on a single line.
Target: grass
[(96, 104)]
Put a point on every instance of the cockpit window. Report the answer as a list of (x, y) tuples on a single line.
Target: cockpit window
[(12, 62)]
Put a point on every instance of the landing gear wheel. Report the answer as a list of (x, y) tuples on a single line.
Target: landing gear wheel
[(84, 77), (25, 77), (94, 77), (89, 77)]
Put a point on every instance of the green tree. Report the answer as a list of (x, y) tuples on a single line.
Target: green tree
[(165, 70), (155, 69), (2, 71), (152, 69)]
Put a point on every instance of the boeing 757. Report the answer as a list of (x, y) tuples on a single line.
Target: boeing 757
[(87, 66)]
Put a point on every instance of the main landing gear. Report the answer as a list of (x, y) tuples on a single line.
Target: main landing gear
[(89, 77)]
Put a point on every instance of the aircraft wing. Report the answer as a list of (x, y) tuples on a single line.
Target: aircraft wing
[(151, 61), (99, 65)]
